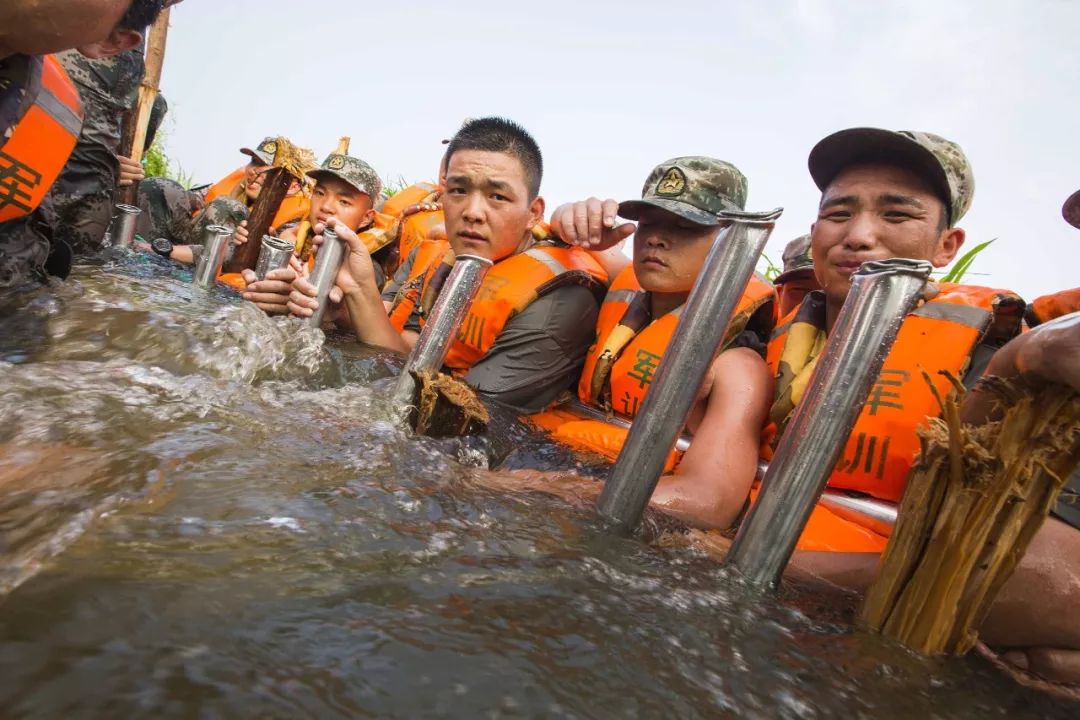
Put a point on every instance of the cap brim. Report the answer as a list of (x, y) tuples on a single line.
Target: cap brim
[(862, 146), (319, 173), (263, 157), (792, 274), (631, 210), (1071, 210)]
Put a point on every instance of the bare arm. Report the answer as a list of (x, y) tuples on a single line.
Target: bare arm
[(711, 484)]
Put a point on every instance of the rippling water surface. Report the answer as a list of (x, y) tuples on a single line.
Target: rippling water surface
[(205, 513)]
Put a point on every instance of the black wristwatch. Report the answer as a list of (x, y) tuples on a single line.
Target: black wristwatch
[(162, 246)]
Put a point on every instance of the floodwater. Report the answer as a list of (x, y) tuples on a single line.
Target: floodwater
[(205, 513)]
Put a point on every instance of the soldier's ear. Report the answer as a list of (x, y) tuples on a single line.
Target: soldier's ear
[(118, 41)]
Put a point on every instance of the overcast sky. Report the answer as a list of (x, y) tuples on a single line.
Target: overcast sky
[(610, 89)]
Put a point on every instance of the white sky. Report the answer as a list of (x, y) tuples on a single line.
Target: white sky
[(611, 88)]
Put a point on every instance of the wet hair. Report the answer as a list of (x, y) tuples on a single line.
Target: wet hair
[(141, 14), (495, 134)]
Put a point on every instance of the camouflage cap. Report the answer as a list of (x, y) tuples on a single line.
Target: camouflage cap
[(265, 151), (939, 161), (797, 259), (1071, 210), (695, 188), (352, 170)]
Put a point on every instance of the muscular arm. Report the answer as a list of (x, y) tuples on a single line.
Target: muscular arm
[(711, 484)]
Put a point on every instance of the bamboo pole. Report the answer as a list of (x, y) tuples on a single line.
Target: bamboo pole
[(137, 119)]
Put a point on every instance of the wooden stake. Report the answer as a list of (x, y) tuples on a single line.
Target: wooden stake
[(275, 188), (137, 119)]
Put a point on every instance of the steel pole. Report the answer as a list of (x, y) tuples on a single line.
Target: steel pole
[(882, 294), (666, 408), (328, 260), (273, 255), (122, 230), (215, 245), (441, 326)]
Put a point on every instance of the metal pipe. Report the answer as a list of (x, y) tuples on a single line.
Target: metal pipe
[(442, 325), (720, 284), (273, 255), (122, 230), (882, 294), (328, 260), (878, 515), (215, 244)]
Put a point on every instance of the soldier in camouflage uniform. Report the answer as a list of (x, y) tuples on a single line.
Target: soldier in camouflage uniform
[(100, 29), (83, 194), (181, 216)]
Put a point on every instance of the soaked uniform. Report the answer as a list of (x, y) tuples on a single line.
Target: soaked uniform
[(83, 194)]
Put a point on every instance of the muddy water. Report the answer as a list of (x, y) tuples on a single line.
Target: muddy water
[(205, 513)]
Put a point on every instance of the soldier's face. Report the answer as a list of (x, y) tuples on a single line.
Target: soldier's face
[(253, 168), (670, 250), (793, 290), (876, 212), (336, 198), (46, 26), (486, 204)]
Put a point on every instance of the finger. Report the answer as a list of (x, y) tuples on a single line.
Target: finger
[(285, 275), (124, 182), (594, 217), (249, 276), (302, 302), (581, 224), (269, 309), (610, 210), (336, 294), (263, 298), (621, 232), (298, 311), (303, 286), (270, 286)]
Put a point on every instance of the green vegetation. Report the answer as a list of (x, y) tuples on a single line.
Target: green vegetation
[(961, 267), (770, 269), (392, 187), (157, 163)]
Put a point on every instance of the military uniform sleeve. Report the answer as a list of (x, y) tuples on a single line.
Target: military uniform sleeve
[(540, 352)]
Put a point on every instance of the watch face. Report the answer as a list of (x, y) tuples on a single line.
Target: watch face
[(162, 246)]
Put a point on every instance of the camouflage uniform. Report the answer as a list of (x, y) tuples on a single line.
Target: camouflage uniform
[(24, 246), (170, 211), (83, 194)]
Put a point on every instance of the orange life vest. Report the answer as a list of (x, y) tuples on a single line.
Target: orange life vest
[(225, 186), (41, 142), (293, 207), (1048, 307), (418, 228), (940, 335), (428, 254), (396, 203), (622, 385), (509, 287)]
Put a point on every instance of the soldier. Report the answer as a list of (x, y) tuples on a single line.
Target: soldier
[(83, 194), (798, 278), (525, 336), (179, 216), (35, 144)]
